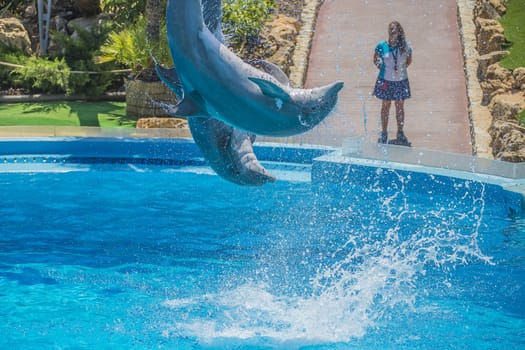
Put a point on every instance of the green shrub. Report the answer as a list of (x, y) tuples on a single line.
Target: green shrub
[(244, 19), (131, 48), (124, 11), (49, 76), (9, 55), (16, 7), (79, 55)]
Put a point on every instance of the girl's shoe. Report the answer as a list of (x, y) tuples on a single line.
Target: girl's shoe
[(402, 140), (383, 137)]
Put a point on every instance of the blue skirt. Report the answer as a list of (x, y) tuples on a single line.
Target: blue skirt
[(392, 90)]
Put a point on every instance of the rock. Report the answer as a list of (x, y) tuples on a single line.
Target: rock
[(13, 34), (519, 78), (87, 8), (486, 60), (284, 28), (498, 80), (86, 23), (505, 107), (493, 9), (503, 89), (509, 144), (508, 136), (279, 37), (174, 123), (490, 35), (30, 11)]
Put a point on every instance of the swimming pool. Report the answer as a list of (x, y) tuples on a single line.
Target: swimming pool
[(103, 247)]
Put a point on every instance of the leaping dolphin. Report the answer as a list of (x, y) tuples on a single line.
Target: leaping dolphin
[(229, 151), (217, 83)]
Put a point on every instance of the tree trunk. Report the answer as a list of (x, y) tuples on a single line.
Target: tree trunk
[(154, 12)]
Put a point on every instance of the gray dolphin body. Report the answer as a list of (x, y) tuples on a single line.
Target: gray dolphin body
[(228, 150), (218, 84)]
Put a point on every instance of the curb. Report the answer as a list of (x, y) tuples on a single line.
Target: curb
[(479, 115), (304, 42)]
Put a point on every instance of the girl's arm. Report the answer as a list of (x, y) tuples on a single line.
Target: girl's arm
[(377, 60), (409, 59)]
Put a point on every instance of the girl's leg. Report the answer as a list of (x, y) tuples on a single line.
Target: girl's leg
[(400, 115), (385, 110)]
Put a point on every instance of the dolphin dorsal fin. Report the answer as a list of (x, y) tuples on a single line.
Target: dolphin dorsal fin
[(274, 70), (270, 89)]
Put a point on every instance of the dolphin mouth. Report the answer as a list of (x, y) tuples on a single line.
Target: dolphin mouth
[(336, 87)]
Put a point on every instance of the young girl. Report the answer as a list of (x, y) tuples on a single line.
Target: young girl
[(392, 57)]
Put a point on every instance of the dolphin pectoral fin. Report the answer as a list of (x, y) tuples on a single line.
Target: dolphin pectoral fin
[(274, 70), (186, 108), (170, 77), (270, 89)]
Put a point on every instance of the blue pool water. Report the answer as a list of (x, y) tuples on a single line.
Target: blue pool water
[(172, 257)]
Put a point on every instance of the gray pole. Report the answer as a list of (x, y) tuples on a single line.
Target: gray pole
[(44, 17)]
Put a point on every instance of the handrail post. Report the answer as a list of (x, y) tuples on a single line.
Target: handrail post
[(44, 19)]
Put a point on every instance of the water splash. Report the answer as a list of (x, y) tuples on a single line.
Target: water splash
[(366, 272)]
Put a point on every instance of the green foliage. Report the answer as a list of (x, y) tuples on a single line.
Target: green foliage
[(131, 48), (514, 24), (15, 7), (124, 11), (9, 55), (244, 19), (54, 74), (51, 76), (521, 117), (79, 54)]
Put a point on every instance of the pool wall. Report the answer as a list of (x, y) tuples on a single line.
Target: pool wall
[(385, 167)]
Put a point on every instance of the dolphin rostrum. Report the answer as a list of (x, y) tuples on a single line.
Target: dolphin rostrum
[(228, 150), (218, 84)]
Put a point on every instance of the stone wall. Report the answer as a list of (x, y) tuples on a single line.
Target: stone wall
[(503, 90)]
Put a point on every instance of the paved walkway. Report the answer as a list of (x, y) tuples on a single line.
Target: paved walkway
[(342, 49)]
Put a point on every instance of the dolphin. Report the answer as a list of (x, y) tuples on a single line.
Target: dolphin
[(229, 151), (218, 84)]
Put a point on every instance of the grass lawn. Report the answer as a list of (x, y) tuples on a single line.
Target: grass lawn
[(98, 114), (514, 24)]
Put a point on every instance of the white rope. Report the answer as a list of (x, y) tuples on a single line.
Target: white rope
[(116, 71)]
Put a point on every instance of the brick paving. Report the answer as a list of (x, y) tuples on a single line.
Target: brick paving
[(345, 35)]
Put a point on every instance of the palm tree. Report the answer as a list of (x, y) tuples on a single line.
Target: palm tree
[(154, 11)]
